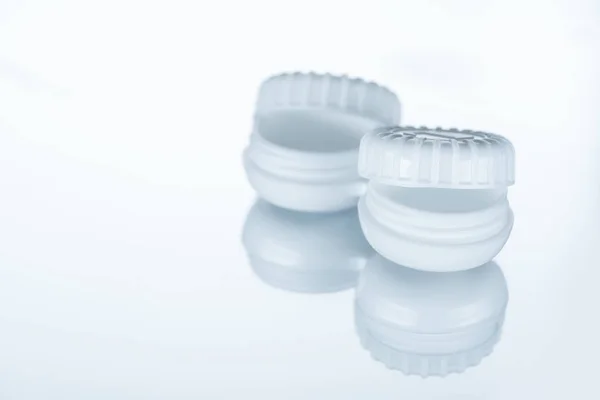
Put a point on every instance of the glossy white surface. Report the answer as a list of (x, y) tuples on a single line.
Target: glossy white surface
[(122, 273)]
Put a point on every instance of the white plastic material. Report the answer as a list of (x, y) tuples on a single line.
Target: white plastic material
[(304, 252), (303, 150), (437, 199), (438, 158), (426, 323)]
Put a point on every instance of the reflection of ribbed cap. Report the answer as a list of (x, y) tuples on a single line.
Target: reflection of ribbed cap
[(424, 365), (429, 323), (441, 158), (328, 92)]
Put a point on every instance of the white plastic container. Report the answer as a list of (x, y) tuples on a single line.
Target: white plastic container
[(304, 252), (429, 323), (303, 150), (436, 199)]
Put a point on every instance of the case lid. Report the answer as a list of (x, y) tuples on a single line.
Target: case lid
[(439, 158), (337, 94)]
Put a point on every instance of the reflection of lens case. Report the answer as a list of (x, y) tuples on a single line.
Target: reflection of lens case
[(429, 323), (305, 252)]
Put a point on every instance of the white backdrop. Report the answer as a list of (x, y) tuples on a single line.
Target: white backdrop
[(122, 192), (157, 89)]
